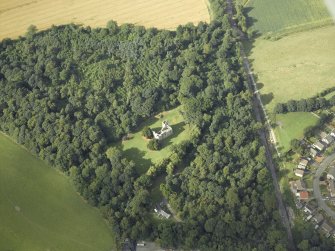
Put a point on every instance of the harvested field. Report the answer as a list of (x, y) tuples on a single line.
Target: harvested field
[(17, 15)]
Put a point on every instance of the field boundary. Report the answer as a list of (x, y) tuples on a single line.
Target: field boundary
[(297, 29)]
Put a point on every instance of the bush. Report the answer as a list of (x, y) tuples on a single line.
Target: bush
[(147, 132), (154, 145)]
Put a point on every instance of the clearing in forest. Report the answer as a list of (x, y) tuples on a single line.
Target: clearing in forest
[(17, 15), (136, 147), (40, 209), (287, 15)]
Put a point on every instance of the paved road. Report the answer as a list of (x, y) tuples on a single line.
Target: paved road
[(316, 184), (260, 114)]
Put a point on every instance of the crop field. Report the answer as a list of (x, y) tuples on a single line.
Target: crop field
[(17, 15), (278, 15), (136, 148), (40, 210), (291, 126), (296, 66)]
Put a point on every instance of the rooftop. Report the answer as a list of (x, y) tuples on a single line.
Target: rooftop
[(303, 195), (303, 162), (299, 172), (323, 135), (318, 218), (325, 226), (319, 145)]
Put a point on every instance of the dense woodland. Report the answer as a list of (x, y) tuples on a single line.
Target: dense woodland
[(69, 92)]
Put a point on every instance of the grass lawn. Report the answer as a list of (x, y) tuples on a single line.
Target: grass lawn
[(278, 15), (291, 126), (294, 67), (40, 210), (136, 148)]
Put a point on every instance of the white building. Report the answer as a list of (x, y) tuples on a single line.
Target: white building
[(163, 133)]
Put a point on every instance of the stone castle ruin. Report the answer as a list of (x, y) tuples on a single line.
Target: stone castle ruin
[(163, 133)]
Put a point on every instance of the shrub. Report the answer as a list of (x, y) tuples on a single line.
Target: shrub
[(154, 145), (147, 132)]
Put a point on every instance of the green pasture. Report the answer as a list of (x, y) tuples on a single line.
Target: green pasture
[(292, 126), (136, 148), (284, 15), (40, 209), (294, 67)]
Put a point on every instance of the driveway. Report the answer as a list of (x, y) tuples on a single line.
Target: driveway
[(316, 184)]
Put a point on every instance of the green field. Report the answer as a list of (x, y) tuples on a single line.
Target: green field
[(291, 126), (40, 210), (136, 148), (279, 15), (294, 67)]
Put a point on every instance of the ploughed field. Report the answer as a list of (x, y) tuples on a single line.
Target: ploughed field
[(40, 210), (17, 15)]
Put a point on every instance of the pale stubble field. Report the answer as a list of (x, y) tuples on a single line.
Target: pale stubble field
[(17, 15)]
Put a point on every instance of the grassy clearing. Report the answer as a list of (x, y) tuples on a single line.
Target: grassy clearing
[(294, 67), (17, 15), (136, 148), (280, 15), (40, 209), (291, 126)]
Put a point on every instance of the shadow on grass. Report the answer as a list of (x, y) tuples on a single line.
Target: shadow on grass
[(137, 156), (267, 98), (177, 129)]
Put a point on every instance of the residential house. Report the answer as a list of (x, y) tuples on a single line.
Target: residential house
[(303, 162), (318, 145), (331, 173), (313, 152), (323, 135), (328, 139), (318, 218), (331, 188), (303, 195), (333, 133), (299, 173), (298, 186), (327, 229), (309, 208)]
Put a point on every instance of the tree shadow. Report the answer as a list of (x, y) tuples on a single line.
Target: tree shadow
[(177, 129), (267, 98), (283, 172), (137, 156), (259, 86)]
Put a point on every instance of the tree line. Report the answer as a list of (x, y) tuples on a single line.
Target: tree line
[(307, 105)]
